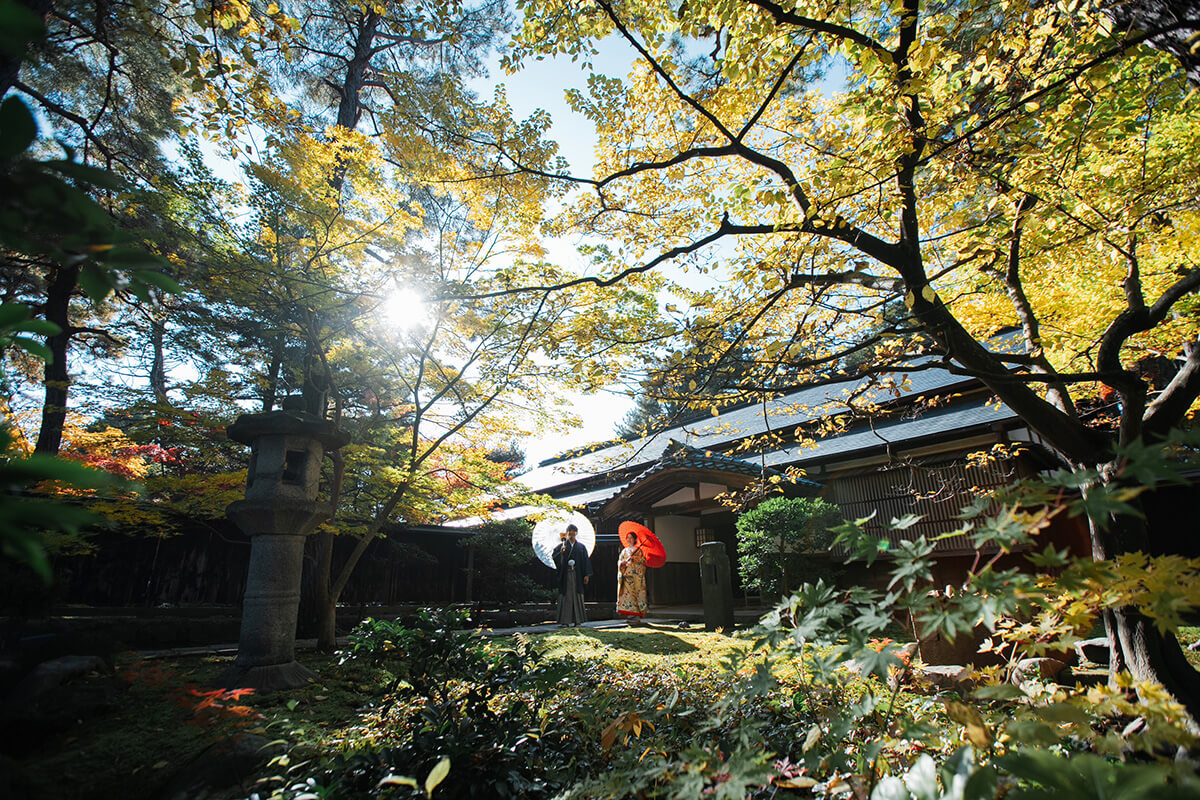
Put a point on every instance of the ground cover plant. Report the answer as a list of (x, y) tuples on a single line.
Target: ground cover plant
[(640, 712), (819, 699), (167, 714)]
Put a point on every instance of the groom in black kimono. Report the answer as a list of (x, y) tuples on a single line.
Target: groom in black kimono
[(574, 571)]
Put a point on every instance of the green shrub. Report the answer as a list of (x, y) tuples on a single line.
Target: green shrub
[(784, 542), (483, 707)]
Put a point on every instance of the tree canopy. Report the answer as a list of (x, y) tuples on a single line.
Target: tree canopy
[(988, 166)]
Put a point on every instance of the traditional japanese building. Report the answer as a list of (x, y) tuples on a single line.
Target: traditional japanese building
[(932, 442)]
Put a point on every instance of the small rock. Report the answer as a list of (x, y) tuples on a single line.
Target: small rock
[(943, 677), (1136, 726), (52, 698), (1044, 669), (30, 693), (1094, 650)]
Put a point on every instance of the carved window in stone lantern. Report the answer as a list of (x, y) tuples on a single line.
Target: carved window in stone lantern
[(295, 464)]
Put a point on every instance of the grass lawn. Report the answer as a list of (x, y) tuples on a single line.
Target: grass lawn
[(156, 729), (642, 647)]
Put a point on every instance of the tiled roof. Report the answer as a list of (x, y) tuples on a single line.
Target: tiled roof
[(595, 495), (932, 422), (958, 418), (682, 456), (784, 412)]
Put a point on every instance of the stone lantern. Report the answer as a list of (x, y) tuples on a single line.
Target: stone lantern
[(280, 509), (716, 587)]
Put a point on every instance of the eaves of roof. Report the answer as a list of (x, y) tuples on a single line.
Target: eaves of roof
[(426, 530)]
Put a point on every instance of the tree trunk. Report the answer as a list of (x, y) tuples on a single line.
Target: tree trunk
[(350, 106), (1171, 16), (158, 366), (1152, 656), (470, 590), (332, 591), (326, 606), (326, 592), (349, 111), (56, 377), (271, 390), (10, 63), (1135, 644)]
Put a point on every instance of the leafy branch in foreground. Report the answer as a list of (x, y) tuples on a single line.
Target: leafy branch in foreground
[(1022, 735)]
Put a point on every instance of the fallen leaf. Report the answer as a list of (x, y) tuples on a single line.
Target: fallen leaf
[(801, 782)]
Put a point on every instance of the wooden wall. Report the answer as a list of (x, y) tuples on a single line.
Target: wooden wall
[(206, 565)]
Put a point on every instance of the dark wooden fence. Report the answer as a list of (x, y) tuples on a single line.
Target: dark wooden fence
[(206, 565)]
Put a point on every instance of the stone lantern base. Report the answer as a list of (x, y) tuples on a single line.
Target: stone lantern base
[(266, 651)]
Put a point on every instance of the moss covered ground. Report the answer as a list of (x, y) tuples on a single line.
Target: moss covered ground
[(166, 714)]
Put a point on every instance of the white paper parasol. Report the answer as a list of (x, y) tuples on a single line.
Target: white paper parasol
[(546, 533)]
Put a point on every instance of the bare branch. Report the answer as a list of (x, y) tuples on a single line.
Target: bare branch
[(819, 26), (1138, 318), (771, 95), (725, 229), (1011, 278), (84, 125), (856, 277), (1173, 402), (753, 156), (662, 73)]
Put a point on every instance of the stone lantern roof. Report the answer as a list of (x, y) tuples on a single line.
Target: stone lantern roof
[(249, 427)]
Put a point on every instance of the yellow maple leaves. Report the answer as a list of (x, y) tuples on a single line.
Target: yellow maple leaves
[(1006, 104)]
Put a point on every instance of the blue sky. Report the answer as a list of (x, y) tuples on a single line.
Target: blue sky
[(543, 85)]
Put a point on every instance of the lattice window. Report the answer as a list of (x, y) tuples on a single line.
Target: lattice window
[(937, 492)]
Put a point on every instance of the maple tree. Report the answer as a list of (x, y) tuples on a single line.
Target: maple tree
[(989, 166), (427, 405)]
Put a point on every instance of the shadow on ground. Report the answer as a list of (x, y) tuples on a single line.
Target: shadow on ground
[(644, 640)]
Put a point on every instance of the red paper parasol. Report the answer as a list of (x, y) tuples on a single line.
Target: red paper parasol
[(656, 556)]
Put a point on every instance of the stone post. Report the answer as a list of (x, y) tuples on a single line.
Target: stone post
[(716, 587), (280, 509)]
